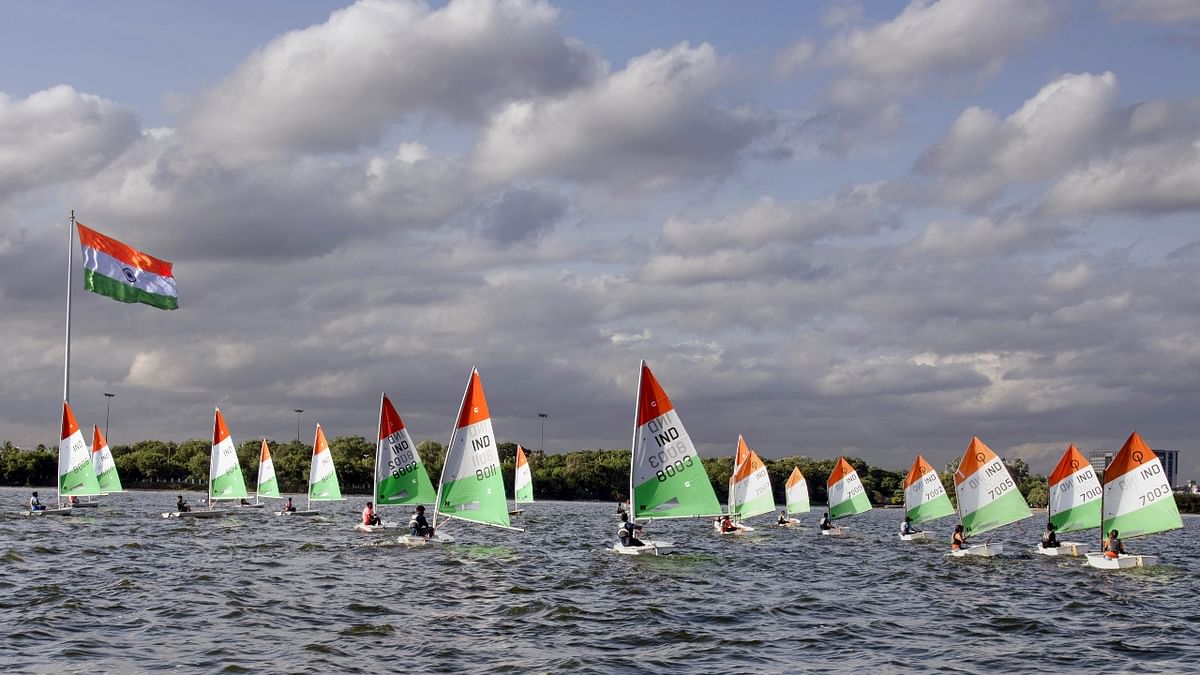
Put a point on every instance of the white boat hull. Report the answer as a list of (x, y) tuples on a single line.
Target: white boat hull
[(791, 522), (516, 512), (988, 550), (361, 527), (738, 528), (416, 540), (916, 536), (64, 511), (834, 532), (1122, 562), (648, 547), (306, 512), (251, 506), (195, 514), (1064, 548)]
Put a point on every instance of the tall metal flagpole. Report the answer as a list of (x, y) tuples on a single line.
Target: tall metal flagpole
[(67, 351)]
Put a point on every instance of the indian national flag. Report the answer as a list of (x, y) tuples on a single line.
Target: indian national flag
[(124, 273)]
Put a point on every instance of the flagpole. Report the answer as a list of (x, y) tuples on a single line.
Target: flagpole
[(67, 351)]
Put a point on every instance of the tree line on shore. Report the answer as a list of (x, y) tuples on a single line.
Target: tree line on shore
[(578, 475)]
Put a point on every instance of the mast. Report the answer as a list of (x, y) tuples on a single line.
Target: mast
[(312, 466), (637, 404), (378, 455)]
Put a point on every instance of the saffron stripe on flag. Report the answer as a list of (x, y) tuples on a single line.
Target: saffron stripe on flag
[(127, 254)]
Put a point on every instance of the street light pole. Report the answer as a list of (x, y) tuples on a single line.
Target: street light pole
[(107, 399), (297, 411), (542, 444)]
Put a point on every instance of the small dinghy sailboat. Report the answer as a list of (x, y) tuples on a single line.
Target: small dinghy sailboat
[(225, 481), (749, 490), (846, 496), (1075, 497), (796, 493), (522, 483), (322, 478), (925, 498), (987, 498), (400, 477)]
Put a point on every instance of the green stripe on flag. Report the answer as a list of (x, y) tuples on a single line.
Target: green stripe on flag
[(123, 292)]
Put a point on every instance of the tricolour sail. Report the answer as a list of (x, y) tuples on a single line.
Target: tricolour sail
[(987, 495), (924, 496), (400, 477), (522, 479), (76, 475), (103, 464), (1074, 493), (846, 493), (667, 478), (797, 492), (268, 486), (1137, 497), (322, 476), (471, 487), (225, 479), (750, 488)]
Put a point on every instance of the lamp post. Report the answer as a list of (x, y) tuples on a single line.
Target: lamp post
[(107, 399), (297, 411), (542, 443)]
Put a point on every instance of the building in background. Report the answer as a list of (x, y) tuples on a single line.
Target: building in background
[(1169, 458)]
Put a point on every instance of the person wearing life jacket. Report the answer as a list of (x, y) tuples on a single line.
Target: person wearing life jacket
[(826, 523), (627, 532), (181, 506), (36, 504), (958, 540), (727, 525), (288, 507), (1113, 548), (73, 500), (419, 526), (369, 515), (1049, 537), (906, 526)]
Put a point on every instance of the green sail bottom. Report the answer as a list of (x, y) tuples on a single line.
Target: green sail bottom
[(1083, 517), (325, 489), (229, 485), (482, 501), (269, 488), (524, 495), (755, 507), (1008, 509), (686, 494), (80, 482), (109, 481), (1160, 516), (857, 504), (932, 510), (413, 487)]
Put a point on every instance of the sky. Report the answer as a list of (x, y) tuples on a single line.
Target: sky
[(869, 229)]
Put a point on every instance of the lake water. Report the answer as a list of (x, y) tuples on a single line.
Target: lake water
[(122, 590)]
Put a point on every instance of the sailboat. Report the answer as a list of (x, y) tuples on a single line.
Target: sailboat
[(666, 476), (925, 498), (796, 494), (846, 495), (105, 468), (749, 489), (400, 477), (225, 481), (522, 483), (76, 477), (1075, 496), (1137, 501), (266, 484), (471, 487), (987, 498), (322, 478)]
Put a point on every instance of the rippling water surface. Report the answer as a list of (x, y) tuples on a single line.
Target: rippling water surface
[(120, 590)]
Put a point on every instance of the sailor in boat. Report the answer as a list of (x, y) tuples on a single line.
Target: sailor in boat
[(369, 515), (288, 507), (727, 525), (419, 525), (181, 506), (957, 540), (1049, 538), (627, 532), (783, 519), (826, 523), (36, 504), (243, 502), (1113, 548), (906, 526), (73, 500)]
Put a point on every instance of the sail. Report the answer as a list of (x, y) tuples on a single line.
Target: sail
[(225, 479), (1137, 497), (987, 495), (667, 478), (76, 476), (471, 486), (268, 486), (400, 477), (522, 479), (846, 493), (103, 464), (750, 493), (322, 476), (797, 492), (925, 498), (1074, 493)]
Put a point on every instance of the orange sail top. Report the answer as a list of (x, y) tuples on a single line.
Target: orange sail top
[(977, 455), (1072, 461), (389, 421), (521, 461), (653, 401), (264, 454), (840, 471), (795, 478), (220, 431), (319, 443), (1133, 454), (474, 407), (69, 425), (98, 439), (919, 468), (746, 462)]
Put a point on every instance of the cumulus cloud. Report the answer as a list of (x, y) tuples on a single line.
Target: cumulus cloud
[(338, 85), (58, 135), (642, 128), (795, 58)]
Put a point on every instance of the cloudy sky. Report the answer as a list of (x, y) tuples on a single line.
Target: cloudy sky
[(871, 228)]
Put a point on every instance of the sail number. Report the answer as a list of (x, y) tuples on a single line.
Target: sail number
[(398, 468), (1000, 489), (1092, 493), (673, 468), (1160, 491)]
